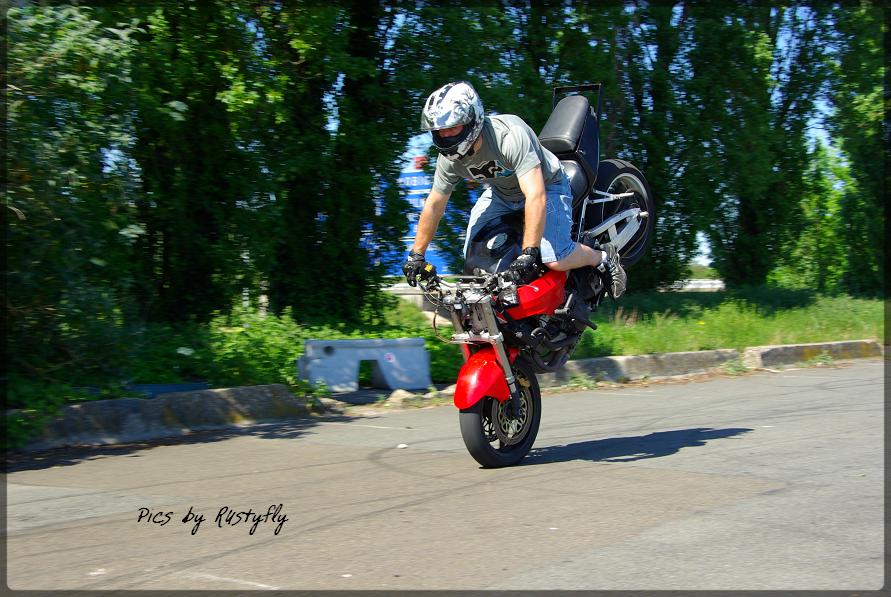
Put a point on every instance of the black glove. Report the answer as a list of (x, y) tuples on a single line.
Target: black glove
[(527, 266), (416, 267)]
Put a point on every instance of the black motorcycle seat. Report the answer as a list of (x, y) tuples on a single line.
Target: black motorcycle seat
[(572, 133), (563, 130)]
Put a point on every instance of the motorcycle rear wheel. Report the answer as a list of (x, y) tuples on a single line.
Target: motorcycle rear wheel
[(492, 436), (619, 176)]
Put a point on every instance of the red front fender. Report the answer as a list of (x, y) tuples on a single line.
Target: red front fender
[(482, 376)]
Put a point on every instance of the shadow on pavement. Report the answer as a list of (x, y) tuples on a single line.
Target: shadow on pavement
[(27, 461), (629, 449)]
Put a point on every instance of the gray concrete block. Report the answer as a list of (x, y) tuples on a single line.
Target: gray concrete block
[(758, 357), (398, 363)]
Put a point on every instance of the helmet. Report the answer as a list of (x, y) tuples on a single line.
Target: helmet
[(450, 105)]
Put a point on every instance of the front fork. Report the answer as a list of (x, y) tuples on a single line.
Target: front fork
[(501, 355), (496, 340)]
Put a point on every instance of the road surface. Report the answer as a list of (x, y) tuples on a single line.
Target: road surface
[(761, 481)]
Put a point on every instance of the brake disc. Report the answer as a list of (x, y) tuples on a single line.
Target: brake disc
[(511, 430)]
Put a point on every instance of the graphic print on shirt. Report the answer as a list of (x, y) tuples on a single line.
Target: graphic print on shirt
[(490, 169)]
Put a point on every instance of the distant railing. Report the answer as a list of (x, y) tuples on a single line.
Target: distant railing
[(704, 285)]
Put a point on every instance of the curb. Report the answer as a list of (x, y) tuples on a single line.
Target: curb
[(625, 368), (759, 357), (668, 364), (124, 420)]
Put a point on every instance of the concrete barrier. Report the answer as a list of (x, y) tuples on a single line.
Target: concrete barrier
[(623, 368), (125, 420), (758, 357), (397, 363)]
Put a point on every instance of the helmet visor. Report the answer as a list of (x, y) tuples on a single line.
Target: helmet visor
[(449, 145)]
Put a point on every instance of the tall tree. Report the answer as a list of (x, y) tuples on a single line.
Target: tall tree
[(302, 49), (858, 67), (193, 171), (804, 260), (651, 41), (753, 81), (68, 203)]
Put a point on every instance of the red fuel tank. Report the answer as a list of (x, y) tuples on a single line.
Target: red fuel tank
[(540, 296)]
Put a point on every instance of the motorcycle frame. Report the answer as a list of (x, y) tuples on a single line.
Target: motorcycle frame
[(632, 215), (481, 302)]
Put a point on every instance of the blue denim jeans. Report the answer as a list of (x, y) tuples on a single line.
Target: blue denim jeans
[(556, 242)]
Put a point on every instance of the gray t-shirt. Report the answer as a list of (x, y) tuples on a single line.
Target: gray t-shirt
[(510, 149)]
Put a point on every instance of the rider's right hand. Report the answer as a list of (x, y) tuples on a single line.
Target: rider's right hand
[(416, 267)]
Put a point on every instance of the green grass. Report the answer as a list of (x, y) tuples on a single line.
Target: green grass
[(702, 272), (675, 322), (689, 321)]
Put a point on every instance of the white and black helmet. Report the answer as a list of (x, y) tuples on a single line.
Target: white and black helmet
[(453, 104)]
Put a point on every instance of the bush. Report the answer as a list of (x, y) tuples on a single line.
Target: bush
[(242, 347)]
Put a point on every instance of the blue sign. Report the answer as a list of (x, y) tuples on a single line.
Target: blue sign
[(417, 185)]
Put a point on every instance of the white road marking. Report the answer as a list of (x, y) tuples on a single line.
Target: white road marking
[(811, 376), (237, 581), (607, 393), (97, 572)]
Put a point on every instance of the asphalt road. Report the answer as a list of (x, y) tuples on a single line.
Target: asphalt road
[(763, 481)]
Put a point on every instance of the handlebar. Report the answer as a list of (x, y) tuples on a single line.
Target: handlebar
[(472, 288), (483, 282)]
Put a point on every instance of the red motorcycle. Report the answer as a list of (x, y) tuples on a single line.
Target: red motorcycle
[(509, 333)]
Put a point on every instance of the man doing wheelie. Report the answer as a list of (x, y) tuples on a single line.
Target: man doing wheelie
[(503, 153)]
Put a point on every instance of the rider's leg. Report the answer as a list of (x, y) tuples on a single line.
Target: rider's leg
[(486, 209), (581, 256), (559, 252)]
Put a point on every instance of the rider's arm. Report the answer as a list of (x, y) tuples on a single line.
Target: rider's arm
[(533, 187), (434, 207)]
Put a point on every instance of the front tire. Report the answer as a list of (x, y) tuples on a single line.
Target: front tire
[(492, 435)]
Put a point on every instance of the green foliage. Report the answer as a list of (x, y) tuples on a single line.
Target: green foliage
[(857, 74), (824, 359), (244, 347), (734, 367), (32, 403), (815, 257), (755, 75), (70, 225)]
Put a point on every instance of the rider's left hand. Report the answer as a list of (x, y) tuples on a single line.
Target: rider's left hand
[(415, 267), (527, 266)]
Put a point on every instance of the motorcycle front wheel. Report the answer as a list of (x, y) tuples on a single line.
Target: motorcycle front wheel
[(492, 434)]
